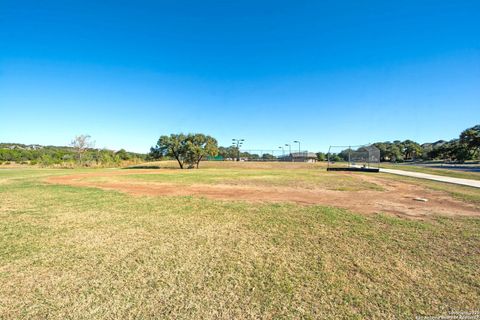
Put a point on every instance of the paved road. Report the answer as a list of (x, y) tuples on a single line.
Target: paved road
[(460, 167), (463, 182)]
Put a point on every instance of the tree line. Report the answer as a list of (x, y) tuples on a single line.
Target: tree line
[(190, 149), (465, 147), (80, 153), (233, 153)]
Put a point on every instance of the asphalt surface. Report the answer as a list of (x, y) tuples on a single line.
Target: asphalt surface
[(459, 181)]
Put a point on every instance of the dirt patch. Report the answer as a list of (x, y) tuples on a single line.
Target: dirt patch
[(397, 197)]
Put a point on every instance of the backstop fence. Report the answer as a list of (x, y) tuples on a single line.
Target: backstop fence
[(360, 157)]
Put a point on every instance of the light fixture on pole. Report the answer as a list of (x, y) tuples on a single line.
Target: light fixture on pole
[(289, 150), (298, 148), (238, 143)]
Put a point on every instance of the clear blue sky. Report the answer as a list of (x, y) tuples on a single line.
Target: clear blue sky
[(322, 72)]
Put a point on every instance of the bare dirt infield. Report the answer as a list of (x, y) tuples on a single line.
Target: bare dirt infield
[(397, 197)]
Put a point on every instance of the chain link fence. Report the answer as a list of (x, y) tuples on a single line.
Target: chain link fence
[(267, 155), (363, 156)]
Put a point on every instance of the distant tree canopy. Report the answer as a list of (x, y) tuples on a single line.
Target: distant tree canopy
[(470, 138), (335, 157), (466, 147), (250, 156), (268, 156), (321, 156), (229, 153), (399, 150), (187, 149), (410, 150), (64, 156)]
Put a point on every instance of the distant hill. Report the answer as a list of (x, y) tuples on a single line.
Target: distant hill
[(20, 146), (434, 145)]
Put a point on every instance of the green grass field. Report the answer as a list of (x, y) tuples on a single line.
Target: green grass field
[(71, 252)]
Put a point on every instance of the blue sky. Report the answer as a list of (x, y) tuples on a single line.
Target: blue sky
[(322, 72)]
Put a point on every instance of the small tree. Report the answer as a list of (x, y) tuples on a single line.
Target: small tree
[(81, 144), (321, 156), (333, 157), (268, 157)]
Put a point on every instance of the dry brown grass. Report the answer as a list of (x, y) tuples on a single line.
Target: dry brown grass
[(84, 253)]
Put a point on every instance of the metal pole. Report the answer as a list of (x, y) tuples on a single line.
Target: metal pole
[(238, 144), (328, 157), (296, 141), (290, 151), (349, 149)]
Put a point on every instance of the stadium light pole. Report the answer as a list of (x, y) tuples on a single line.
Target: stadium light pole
[(283, 151), (298, 146), (296, 141), (238, 143), (289, 150)]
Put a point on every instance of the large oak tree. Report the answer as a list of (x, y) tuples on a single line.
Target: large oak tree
[(471, 139), (188, 150)]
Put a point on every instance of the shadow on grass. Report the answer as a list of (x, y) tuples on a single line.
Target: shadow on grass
[(142, 167), (157, 167)]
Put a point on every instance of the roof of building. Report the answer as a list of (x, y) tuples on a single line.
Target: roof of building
[(304, 155)]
